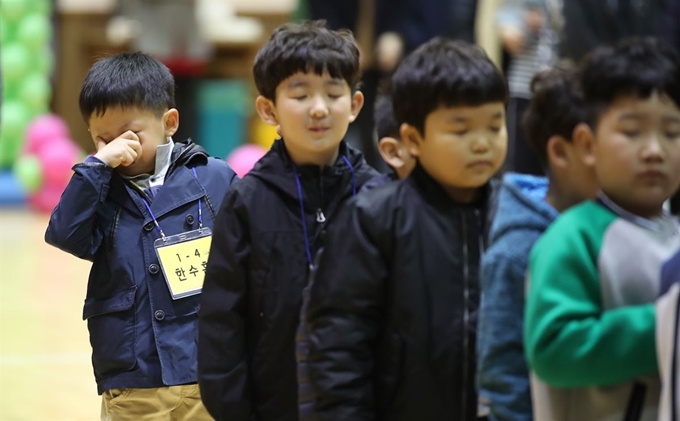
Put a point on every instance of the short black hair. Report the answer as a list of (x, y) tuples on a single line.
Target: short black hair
[(306, 47), (636, 66), (446, 73), (127, 80), (556, 108), (385, 123)]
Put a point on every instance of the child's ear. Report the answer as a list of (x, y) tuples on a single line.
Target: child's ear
[(171, 121), (583, 139), (357, 104), (411, 138), (265, 108), (389, 150), (556, 151)]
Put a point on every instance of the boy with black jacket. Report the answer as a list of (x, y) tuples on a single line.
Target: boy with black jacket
[(392, 312), (275, 219)]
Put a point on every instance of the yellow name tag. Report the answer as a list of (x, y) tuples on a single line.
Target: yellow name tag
[(183, 258)]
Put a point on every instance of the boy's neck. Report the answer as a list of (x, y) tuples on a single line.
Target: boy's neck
[(320, 159), (464, 195), (558, 199), (646, 212)]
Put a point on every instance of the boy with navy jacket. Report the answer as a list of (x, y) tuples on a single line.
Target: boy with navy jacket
[(138, 188)]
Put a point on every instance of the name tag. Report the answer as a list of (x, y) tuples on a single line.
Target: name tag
[(183, 258)]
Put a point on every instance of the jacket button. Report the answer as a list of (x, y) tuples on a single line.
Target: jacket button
[(148, 227), (153, 268), (190, 219), (159, 315)]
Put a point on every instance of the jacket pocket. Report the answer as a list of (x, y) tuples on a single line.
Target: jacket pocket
[(111, 323), (389, 365)]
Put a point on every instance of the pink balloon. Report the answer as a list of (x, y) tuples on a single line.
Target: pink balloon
[(45, 199), (43, 130), (57, 158), (244, 158)]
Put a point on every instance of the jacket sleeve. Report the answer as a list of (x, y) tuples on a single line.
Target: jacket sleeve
[(73, 225), (222, 362), (570, 340), (503, 375), (344, 315)]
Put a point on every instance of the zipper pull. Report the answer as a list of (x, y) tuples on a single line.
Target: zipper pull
[(320, 217)]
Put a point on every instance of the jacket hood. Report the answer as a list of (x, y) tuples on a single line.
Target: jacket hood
[(522, 205)]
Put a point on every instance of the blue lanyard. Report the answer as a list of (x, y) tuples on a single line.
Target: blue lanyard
[(308, 249), (155, 221)]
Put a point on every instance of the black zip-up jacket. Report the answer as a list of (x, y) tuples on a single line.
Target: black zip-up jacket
[(256, 272), (393, 309), (306, 396)]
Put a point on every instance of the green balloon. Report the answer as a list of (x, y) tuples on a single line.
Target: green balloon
[(43, 7), (15, 118), (44, 63), (35, 92), (34, 31), (9, 150), (28, 170), (6, 31), (13, 10), (16, 61)]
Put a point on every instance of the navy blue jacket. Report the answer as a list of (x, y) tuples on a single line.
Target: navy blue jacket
[(140, 336)]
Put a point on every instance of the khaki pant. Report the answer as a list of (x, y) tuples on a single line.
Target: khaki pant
[(174, 403)]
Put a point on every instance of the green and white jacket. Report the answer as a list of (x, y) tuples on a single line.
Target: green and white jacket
[(668, 339), (590, 319)]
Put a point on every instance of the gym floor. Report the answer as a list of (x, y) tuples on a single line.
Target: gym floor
[(45, 371)]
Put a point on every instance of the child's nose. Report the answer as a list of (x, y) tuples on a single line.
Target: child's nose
[(480, 144), (653, 149), (319, 107)]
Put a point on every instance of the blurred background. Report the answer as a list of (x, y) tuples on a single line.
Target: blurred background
[(47, 46)]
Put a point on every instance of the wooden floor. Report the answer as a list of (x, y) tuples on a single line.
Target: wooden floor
[(45, 371)]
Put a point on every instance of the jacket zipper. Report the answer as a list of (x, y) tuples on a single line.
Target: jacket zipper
[(320, 217)]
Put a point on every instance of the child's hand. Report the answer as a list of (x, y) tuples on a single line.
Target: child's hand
[(389, 50), (123, 150), (513, 40)]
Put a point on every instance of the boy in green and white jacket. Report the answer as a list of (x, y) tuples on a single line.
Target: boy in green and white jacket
[(595, 274)]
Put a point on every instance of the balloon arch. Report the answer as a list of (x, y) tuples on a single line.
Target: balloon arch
[(35, 146)]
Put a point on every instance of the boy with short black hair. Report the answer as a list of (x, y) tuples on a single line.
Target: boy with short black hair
[(392, 150), (392, 314), (554, 125), (594, 276), (275, 219), (133, 198)]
